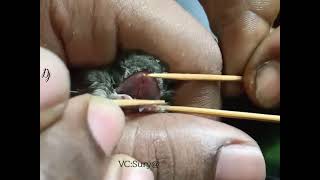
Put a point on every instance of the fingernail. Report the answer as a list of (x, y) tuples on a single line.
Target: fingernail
[(268, 84), (240, 162), (106, 121)]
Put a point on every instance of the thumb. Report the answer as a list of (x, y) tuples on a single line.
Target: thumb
[(262, 74), (80, 144), (54, 87)]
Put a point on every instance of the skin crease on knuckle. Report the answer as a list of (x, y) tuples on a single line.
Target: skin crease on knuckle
[(183, 147)]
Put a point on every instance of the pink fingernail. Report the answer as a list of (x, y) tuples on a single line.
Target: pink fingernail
[(106, 122), (240, 162)]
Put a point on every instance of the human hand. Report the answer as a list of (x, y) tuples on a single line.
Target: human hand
[(192, 147), (77, 136), (89, 33), (250, 47)]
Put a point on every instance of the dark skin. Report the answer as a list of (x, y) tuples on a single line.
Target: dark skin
[(246, 42), (88, 34)]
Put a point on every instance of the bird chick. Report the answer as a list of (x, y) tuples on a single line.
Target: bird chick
[(125, 79)]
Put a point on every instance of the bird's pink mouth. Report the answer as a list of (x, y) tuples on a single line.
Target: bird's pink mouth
[(139, 86)]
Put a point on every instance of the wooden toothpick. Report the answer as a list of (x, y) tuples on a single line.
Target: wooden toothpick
[(221, 113), (137, 102), (195, 77)]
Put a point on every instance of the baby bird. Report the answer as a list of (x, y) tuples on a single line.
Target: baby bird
[(125, 79)]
